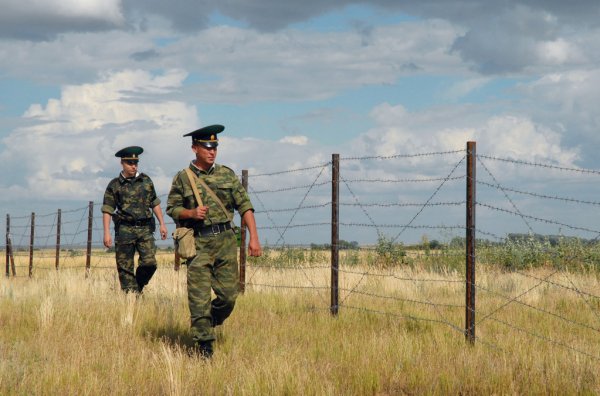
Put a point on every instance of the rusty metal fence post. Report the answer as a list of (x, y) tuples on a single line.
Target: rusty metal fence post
[(243, 239), (7, 244), (177, 262), (31, 243), (58, 221), (470, 242), (335, 232), (88, 255)]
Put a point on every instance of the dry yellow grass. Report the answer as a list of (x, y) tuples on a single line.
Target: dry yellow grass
[(65, 333)]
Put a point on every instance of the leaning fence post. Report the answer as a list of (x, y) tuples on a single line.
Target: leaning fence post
[(177, 262), (31, 242), (243, 239), (7, 244), (88, 256), (12, 257), (470, 241), (335, 232), (58, 221)]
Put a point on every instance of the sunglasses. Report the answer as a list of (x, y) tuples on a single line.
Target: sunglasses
[(130, 162)]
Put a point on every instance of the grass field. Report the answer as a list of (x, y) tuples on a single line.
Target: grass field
[(398, 331)]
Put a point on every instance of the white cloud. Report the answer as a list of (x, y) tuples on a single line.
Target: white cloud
[(297, 140), (240, 65), (568, 101), (438, 130), (74, 143)]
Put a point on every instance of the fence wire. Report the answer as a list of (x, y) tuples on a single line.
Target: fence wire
[(294, 205)]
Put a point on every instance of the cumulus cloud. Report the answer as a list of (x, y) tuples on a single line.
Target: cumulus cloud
[(570, 96), (72, 142), (76, 135), (399, 131)]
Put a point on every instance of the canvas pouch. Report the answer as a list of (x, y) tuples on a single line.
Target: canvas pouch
[(185, 243)]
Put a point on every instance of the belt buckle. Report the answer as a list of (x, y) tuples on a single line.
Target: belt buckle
[(213, 227)]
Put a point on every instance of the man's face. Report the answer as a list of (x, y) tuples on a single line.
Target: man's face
[(205, 156), (130, 167)]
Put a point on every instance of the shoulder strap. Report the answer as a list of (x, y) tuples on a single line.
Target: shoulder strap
[(209, 191), (192, 178), (216, 198)]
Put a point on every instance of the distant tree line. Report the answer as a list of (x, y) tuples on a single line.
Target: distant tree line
[(342, 245)]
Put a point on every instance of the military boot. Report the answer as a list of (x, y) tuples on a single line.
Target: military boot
[(204, 349)]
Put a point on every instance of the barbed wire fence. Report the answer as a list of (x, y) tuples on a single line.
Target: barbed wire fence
[(384, 200)]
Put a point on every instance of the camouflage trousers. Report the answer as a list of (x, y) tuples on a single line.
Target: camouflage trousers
[(128, 240), (215, 268)]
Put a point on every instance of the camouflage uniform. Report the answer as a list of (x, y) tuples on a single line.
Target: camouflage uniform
[(133, 200), (215, 266)]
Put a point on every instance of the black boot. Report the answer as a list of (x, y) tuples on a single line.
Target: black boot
[(204, 349)]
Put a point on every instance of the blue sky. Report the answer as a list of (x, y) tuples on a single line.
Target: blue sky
[(299, 81)]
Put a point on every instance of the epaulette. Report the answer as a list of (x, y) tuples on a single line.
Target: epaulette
[(226, 167)]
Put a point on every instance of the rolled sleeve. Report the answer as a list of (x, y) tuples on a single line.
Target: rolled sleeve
[(155, 202), (175, 199), (242, 200), (109, 203), (108, 209)]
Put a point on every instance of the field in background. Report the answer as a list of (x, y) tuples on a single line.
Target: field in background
[(65, 333)]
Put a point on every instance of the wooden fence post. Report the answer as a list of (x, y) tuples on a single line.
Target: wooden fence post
[(470, 241), (335, 232), (243, 239)]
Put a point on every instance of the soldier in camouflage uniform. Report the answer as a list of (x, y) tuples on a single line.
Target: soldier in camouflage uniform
[(130, 200), (215, 266)]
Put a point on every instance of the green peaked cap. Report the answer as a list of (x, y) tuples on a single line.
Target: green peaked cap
[(206, 136), (130, 153)]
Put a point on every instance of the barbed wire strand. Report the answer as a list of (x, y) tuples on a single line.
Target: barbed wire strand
[(301, 202), (416, 318), (539, 219), (546, 339), (540, 165), (428, 200), (505, 194), (543, 196), (429, 154), (510, 300), (324, 165)]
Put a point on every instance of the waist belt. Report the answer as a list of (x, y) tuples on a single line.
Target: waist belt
[(213, 229), (137, 223)]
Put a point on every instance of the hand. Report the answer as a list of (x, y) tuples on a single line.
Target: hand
[(254, 249), (199, 213), (107, 240), (163, 232)]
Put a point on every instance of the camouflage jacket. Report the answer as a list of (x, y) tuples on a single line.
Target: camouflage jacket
[(130, 199), (224, 183)]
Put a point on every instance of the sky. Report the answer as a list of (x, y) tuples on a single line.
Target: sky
[(295, 82)]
